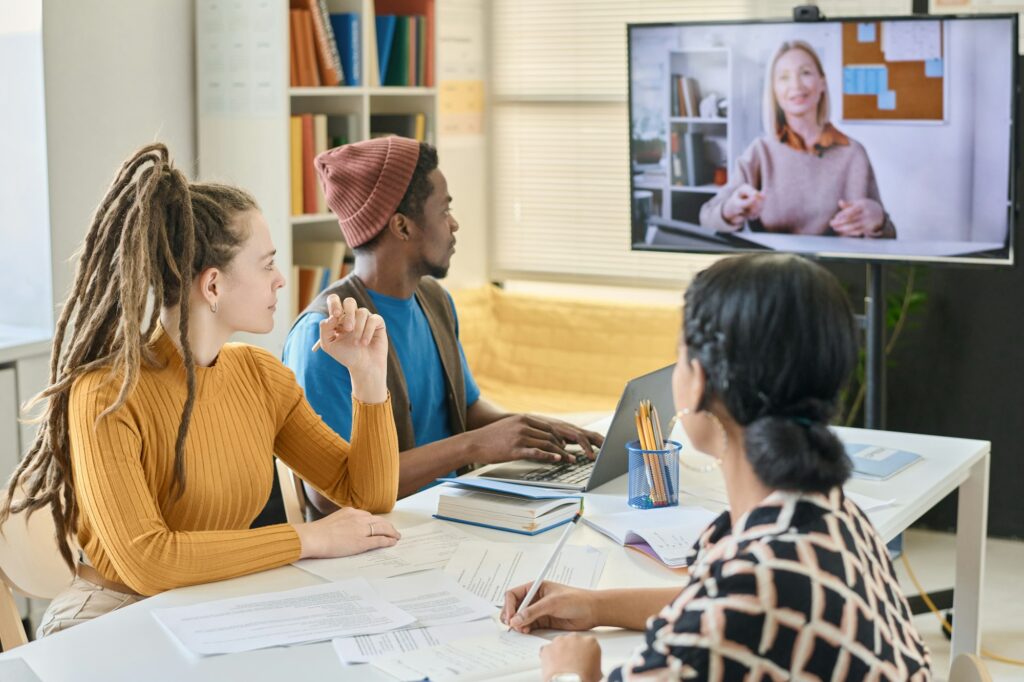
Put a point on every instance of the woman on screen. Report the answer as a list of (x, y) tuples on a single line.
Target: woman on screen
[(803, 176), (156, 449), (792, 581)]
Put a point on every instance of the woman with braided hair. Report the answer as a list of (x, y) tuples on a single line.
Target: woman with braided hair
[(155, 451), (792, 582)]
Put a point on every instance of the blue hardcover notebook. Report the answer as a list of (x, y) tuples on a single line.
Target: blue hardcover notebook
[(878, 462), (346, 35), (532, 492), (385, 38)]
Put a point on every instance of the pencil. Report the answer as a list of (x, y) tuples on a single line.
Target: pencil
[(655, 463), (648, 463), (549, 563)]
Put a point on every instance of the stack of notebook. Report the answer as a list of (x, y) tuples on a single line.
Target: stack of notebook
[(505, 506)]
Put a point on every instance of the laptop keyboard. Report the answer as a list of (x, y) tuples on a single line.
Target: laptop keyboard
[(579, 472)]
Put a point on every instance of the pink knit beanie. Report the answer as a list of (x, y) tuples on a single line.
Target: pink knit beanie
[(365, 181)]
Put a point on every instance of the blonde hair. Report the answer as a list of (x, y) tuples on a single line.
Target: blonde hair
[(774, 118), (152, 234)]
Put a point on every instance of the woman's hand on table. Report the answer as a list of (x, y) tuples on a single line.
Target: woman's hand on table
[(345, 532)]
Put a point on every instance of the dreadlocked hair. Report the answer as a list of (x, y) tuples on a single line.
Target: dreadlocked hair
[(153, 233)]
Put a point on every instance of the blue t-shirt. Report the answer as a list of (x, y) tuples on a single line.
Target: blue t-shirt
[(328, 385)]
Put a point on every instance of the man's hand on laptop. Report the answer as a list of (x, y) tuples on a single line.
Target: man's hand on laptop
[(525, 436)]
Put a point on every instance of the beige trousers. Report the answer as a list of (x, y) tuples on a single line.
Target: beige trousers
[(80, 602)]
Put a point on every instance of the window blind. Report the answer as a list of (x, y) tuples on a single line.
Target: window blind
[(560, 133)]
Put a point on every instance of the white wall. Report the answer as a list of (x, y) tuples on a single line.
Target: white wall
[(464, 158), (119, 74), (24, 214)]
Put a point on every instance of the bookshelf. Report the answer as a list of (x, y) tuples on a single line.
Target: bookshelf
[(245, 102), (697, 152)]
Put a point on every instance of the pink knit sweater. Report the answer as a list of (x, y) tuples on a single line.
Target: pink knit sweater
[(801, 189)]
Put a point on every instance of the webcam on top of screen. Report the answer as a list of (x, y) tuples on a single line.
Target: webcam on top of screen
[(808, 13)]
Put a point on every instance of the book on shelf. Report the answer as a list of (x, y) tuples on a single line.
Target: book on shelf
[(698, 170), (316, 265), (422, 30), (295, 156), (301, 25), (309, 182), (385, 39), (678, 164), (328, 61), (665, 535), (505, 507), (311, 134), (347, 33), (404, 125), (685, 96)]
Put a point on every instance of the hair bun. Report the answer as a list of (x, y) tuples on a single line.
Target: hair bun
[(790, 455)]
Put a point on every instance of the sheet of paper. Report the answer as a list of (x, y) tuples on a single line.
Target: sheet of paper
[(17, 670), (364, 648), (911, 41), (308, 614), (433, 598), (465, 660), (868, 504), (489, 569), (428, 545)]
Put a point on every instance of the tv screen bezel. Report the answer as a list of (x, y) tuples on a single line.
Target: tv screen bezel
[(1004, 258)]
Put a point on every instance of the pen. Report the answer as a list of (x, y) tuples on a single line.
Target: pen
[(547, 565)]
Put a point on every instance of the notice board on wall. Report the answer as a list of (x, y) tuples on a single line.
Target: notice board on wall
[(894, 70)]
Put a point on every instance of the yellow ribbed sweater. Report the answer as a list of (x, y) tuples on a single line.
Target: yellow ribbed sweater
[(134, 530)]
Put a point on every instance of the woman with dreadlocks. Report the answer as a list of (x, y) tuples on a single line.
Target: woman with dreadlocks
[(156, 446)]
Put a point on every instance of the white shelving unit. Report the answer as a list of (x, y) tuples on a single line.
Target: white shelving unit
[(710, 69), (244, 105)]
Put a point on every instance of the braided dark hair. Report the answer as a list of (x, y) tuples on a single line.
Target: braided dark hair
[(776, 338)]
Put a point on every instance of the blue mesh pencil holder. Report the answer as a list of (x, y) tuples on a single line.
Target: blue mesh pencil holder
[(653, 475)]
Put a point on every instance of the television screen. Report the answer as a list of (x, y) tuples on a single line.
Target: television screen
[(866, 138)]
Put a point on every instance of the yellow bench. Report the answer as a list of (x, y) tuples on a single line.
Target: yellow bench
[(530, 353)]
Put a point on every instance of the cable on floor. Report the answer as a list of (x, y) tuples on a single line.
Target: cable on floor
[(942, 619)]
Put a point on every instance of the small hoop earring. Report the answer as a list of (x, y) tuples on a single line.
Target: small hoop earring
[(721, 429), (707, 468), (213, 307)]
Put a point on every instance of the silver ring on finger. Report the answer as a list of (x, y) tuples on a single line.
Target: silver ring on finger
[(371, 531)]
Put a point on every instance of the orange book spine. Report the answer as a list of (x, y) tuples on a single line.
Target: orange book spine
[(309, 73)]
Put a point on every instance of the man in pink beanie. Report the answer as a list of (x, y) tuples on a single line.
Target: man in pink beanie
[(394, 210)]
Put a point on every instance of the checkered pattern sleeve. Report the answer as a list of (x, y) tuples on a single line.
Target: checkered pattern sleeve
[(802, 589)]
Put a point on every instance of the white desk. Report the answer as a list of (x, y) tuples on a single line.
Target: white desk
[(129, 644)]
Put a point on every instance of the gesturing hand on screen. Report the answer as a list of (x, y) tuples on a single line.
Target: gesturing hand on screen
[(859, 218), (745, 203)]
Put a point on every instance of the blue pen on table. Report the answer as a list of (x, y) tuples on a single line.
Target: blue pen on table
[(548, 564)]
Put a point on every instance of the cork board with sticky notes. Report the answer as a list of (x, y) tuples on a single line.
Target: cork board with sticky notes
[(893, 70)]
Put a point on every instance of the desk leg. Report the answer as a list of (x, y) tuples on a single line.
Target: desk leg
[(971, 530)]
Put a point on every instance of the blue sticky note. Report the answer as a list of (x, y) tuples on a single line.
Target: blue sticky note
[(933, 68), (873, 88), (862, 82), (866, 32), (850, 80), (887, 100)]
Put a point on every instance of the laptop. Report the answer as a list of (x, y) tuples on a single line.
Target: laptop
[(612, 459)]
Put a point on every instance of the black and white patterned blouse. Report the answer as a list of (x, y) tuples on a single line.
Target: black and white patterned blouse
[(801, 589)]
